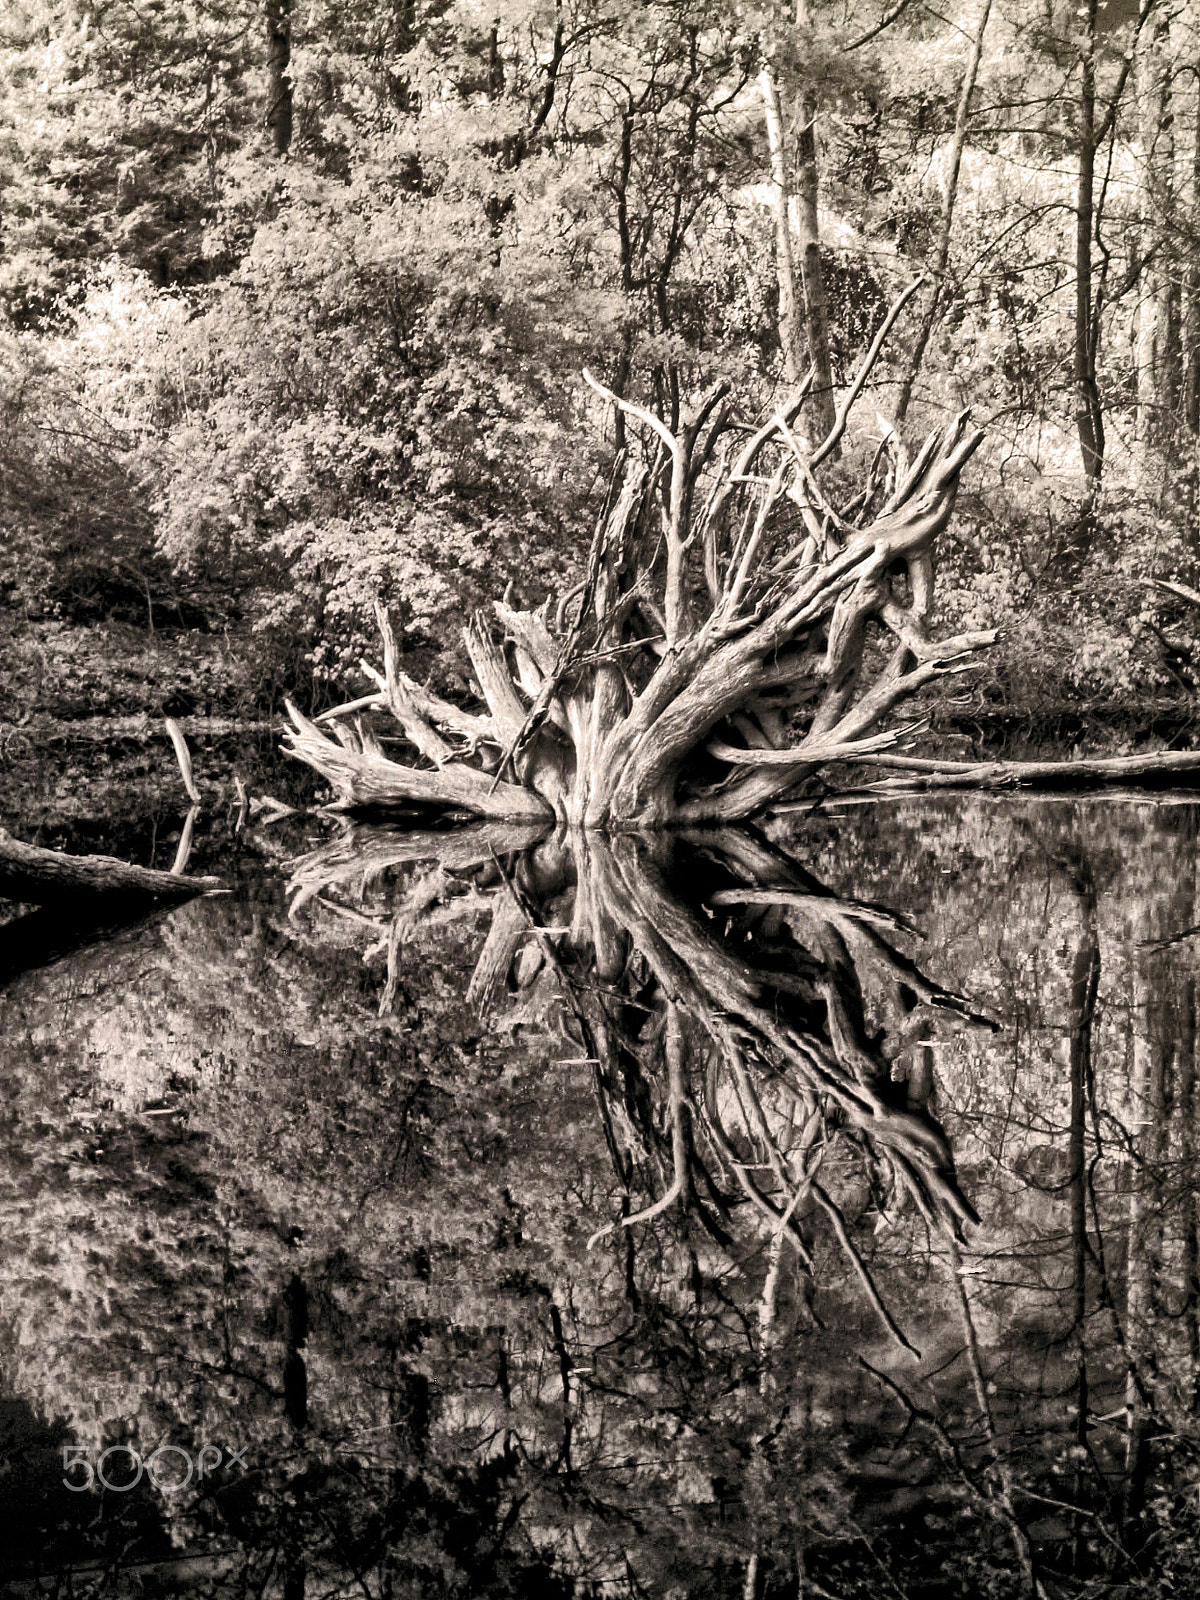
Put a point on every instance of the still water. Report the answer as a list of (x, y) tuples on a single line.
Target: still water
[(810, 1211)]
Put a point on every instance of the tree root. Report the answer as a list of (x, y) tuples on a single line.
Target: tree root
[(717, 649)]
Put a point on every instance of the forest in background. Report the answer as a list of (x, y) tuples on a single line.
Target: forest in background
[(295, 300)]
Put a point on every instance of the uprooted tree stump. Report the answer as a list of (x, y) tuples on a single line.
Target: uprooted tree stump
[(717, 651)]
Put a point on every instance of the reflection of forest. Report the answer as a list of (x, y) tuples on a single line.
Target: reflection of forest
[(273, 1183)]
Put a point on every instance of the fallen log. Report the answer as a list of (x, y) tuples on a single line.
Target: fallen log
[(926, 773), (30, 875)]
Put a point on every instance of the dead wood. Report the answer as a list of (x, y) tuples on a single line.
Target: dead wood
[(1084, 772), (364, 778), (33, 876), (722, 646), (362, 853), (508, 928), (718, 992), (183, 756)]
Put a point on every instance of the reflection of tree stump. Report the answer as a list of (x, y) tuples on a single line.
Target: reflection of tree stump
[(720, 647), (717, 990)]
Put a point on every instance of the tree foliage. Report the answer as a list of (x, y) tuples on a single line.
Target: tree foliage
[(362, 343)]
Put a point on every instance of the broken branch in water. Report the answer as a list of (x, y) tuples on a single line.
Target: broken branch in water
[(183, 853), (34, 876), (183, 756)]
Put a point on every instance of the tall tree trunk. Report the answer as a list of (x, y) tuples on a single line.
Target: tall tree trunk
[(295, 1405), (1085, 985), (1159, 357), (1187, 1132), (1191, 331), (1151, 1030), (1089, 418), (816, 314), (279, 83), (781, 196), (1189, 1146), (933, 311)]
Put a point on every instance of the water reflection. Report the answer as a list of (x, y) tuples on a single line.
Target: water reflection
[(733, 1252), (716, 989)]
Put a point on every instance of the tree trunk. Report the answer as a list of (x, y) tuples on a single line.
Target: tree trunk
[(32, 876), (295, 1371), (279, 83), (295, 1407), (1189, 1149), (1158, 353), (1089, 417), (1085, 985), (1144, 1260), (785, 266), (1191, 332), (816, 313), (933, 311)]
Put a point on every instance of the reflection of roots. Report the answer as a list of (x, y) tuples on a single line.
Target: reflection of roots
[(676, 1107), (717, 991)]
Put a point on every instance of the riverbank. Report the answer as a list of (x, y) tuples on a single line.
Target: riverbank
[(69, 672), (989, 727), (85, 760)]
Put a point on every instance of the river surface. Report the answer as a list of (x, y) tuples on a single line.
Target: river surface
[(808, 1211)]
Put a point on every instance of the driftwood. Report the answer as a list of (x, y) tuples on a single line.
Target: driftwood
[(184, 757), (718, 992), (922, 773), (722, 644), (33, 876)]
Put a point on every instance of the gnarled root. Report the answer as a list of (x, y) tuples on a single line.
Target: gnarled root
[(718, 650)]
